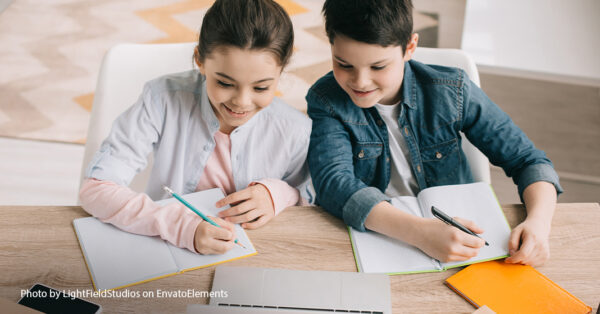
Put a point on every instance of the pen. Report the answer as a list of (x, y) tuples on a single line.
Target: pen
[(192, 208), (447, 219)]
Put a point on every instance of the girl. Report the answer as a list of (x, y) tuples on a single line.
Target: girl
[(219, 126)]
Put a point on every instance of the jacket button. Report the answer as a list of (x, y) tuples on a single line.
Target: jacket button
[(361, 154), (419, 168), (379, 122), (438, 155), (406, 131)]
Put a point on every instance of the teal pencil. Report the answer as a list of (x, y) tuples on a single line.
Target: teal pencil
[(199, 213)]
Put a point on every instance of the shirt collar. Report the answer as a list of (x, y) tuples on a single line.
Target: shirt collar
[(409, 87), (207, 110)]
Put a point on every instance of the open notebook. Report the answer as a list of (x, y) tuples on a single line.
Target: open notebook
[(377, 253), (118, 259)]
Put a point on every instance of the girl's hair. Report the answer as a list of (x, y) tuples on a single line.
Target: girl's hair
[(247, 24)]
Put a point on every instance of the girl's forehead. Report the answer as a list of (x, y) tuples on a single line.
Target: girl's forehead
[(243, 65), (235, 53)]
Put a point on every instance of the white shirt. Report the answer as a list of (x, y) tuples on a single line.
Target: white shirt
[(174, 120), (402, 181)]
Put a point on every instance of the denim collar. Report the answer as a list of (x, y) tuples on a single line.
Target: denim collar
[(409, 87)]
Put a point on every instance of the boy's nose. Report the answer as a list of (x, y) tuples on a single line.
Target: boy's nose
[(361, 81)]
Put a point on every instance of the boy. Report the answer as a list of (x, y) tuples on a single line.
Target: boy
[(385, 126)]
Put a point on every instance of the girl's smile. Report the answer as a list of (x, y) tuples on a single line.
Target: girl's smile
[(235, 113), (239, 83)]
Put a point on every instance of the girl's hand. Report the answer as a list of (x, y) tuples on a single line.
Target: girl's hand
[(209, 239), (253, 207), (447, 243), (532, 235)]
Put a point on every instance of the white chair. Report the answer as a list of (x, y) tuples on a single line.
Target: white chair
[(457, 58), (125, 69)]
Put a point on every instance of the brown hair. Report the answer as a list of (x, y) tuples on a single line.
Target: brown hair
[(381, 22), (247, 24)]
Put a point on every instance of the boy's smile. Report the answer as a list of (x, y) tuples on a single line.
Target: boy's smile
[(370, 73)]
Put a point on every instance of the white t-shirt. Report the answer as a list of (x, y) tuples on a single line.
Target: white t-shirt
[(402, 180)]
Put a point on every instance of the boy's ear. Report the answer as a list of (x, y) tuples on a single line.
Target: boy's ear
[(197, 60), (412, 45)]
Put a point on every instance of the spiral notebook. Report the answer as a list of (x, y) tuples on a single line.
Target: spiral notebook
[(117, 259)]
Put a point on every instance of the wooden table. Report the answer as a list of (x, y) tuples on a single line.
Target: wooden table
[(39, 246)]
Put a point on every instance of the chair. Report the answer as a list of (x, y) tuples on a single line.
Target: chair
[(457, 58), (125, 69)]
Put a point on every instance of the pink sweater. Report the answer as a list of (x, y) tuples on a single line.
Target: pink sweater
[(137, 213)]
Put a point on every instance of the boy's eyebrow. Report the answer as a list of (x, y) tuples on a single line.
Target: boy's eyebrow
[(344, 61), (231, 78)]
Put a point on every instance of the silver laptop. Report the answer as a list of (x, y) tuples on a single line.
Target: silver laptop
[(215, 309), (249, 289)]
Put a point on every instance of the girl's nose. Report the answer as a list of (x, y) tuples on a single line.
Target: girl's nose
[(243, 99)]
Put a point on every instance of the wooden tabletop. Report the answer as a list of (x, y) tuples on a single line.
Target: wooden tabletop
[(39, 246)]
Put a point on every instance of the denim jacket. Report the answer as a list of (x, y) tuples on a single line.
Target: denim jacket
[(349, 153)]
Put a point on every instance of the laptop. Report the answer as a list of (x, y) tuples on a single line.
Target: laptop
[(263, 290), (215, 309)]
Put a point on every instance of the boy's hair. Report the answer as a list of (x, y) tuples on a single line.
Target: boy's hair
[(247, 24), (381, 22)]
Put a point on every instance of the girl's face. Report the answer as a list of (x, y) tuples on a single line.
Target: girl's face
[(239, 83)]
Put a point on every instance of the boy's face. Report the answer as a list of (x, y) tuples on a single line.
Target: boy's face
[(239, 83), (370, 73)]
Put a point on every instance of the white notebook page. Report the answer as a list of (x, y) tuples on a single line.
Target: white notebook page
[(382, 254), (475, 202), (117, 258)]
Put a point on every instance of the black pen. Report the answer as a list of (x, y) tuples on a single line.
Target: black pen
[(447, 219)]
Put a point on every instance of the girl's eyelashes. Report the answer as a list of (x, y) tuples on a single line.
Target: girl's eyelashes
[(224, 84), (258, 89), (377, 68)]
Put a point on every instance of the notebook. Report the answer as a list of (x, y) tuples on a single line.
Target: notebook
[(377, 253), (513, 288), (117, 259)]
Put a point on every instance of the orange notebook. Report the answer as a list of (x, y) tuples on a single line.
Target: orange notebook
[(511, 288)]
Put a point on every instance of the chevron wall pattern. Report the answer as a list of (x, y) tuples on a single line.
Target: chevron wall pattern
[(50, 55)]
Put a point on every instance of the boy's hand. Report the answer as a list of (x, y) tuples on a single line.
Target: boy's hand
[(447, 243), (253, 207), (209, 239), (528, 243)]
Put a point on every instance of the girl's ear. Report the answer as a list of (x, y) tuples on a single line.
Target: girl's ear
[(412, 45), (197, 60)]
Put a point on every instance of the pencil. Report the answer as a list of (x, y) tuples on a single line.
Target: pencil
[(199, 213)]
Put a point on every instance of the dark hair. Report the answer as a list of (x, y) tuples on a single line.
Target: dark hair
[(247, 24), (382, 22)]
